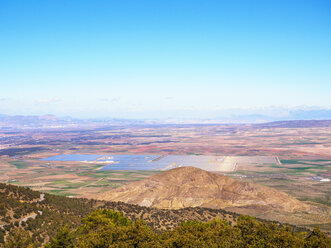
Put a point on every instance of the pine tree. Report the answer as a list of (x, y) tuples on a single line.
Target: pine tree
[(64, 239)]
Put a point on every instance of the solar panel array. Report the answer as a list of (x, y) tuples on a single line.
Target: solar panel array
[(73, 157), (199, 161), (132, 162), (161, 162)]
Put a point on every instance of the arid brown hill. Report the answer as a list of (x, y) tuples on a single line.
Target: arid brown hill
[(192, 187)]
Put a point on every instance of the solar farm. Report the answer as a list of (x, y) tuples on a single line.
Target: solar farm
[(166, 162)]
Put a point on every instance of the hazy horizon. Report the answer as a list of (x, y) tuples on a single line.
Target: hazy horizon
[(193, 116)]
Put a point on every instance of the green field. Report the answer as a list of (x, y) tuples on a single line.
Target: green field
[(19, 164)]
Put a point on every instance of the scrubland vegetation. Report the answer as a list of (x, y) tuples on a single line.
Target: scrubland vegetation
[(66, 222), (107, 228)]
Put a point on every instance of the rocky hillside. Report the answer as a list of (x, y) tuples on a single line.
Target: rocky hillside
[(192, 187)]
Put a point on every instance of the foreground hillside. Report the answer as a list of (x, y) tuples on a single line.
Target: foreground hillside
[(41, 215), (30, 217), (107, 228), (37, 216)]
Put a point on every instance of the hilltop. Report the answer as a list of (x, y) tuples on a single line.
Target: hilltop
[(193, 187)]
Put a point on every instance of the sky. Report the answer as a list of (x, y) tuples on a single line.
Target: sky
[(146, 59)]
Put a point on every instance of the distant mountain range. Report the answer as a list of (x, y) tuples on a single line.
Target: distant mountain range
[(295, 124), (295, 118)]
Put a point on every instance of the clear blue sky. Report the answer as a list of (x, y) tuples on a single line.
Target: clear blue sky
[(133, 58)]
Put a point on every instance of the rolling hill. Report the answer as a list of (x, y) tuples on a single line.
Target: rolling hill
[(193, 187)]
